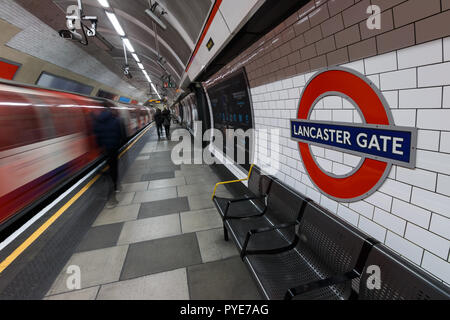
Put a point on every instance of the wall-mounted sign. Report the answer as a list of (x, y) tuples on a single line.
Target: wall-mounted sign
[(210, 44), (124, 99), (169, 84), (8, 69), (377, 141)]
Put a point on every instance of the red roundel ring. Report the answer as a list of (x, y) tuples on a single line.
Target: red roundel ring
[(371, 173)]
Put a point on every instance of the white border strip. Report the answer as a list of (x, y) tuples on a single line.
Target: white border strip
[(23, 228)]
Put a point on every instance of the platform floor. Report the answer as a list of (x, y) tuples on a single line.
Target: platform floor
[(163, 241)]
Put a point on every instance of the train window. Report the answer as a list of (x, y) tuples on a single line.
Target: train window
[(48, 80), (231, 107), (19, 124), (66, 115)]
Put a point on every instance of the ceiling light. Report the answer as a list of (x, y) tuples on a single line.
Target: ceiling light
[(128, 44), (136, 57), (154, 89), (140, 65), (112, 17), (104, 3)]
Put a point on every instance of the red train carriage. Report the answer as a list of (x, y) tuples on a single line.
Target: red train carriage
[(45, 138)]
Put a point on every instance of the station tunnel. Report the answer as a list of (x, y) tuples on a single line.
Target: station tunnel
[(225, 150)]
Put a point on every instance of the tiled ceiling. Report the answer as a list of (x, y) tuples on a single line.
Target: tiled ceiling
[(184, 21)]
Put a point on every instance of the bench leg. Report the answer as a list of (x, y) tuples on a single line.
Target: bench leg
[(225, 233)]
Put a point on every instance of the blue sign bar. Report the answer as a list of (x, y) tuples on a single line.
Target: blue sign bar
[(388, 143), (124, 99)]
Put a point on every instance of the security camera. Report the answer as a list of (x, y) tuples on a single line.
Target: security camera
[(70, 35)]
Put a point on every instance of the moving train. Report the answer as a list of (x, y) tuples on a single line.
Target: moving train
[(46, 138)]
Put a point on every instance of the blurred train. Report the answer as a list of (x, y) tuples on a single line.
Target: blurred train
[(46, 138)]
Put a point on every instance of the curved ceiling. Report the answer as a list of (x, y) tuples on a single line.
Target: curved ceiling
[(184, 21)]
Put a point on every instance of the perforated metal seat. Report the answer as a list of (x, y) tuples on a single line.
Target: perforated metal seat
[(283, 206), (280, 272), (266, 240), (250, 203), (399, 279), (326, 247), (239, 209)]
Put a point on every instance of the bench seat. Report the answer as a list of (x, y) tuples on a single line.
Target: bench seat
[(325, 247), (277, 273)]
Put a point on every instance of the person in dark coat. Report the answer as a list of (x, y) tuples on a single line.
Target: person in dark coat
[(109, 133), (166, 121), (159, 122)]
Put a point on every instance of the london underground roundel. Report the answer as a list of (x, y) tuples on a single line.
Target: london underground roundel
[(377, 140)]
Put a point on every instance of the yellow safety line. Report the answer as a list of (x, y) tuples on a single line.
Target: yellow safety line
[(18, 251), (132, 144), (231, 181)]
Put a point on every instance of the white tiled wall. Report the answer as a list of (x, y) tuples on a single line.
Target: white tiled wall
[(410, 212)]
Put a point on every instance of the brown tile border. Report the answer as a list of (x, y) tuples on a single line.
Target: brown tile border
[(330, 32)]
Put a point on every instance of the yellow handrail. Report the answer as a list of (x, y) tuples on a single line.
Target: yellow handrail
[(231, 181)]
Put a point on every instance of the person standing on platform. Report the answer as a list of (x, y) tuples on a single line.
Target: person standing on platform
[(166, 116), (109, 134), (159, 122)]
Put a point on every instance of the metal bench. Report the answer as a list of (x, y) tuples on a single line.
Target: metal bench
[(251, 203), (296, 249), (281, 214), (327, 255)]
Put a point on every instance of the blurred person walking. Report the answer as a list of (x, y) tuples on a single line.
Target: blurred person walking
[(166, 122), (109, 133), (159, 122)]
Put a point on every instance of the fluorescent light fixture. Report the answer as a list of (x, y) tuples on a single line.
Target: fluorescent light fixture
[(154, 89), (136, 57), (104, 3), (112, 17), (128, 45), (156, 19), (140, 65)]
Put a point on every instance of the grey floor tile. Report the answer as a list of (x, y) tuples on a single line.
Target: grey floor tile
[(85, 294), (166, 183), (158, 175), (160, 255), (163, 168), (213, 246), (171, 285), (189, 167), (193, 189), (132, 187), (155, 195), (163, 207), (100, 237), (149, 229), (200, 220), (201, 189), (124, 198), (118, 214), (202, 179), (131, 178), (222, 280), (96, 267), (193, 172), (141, 157), (199, 202)]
